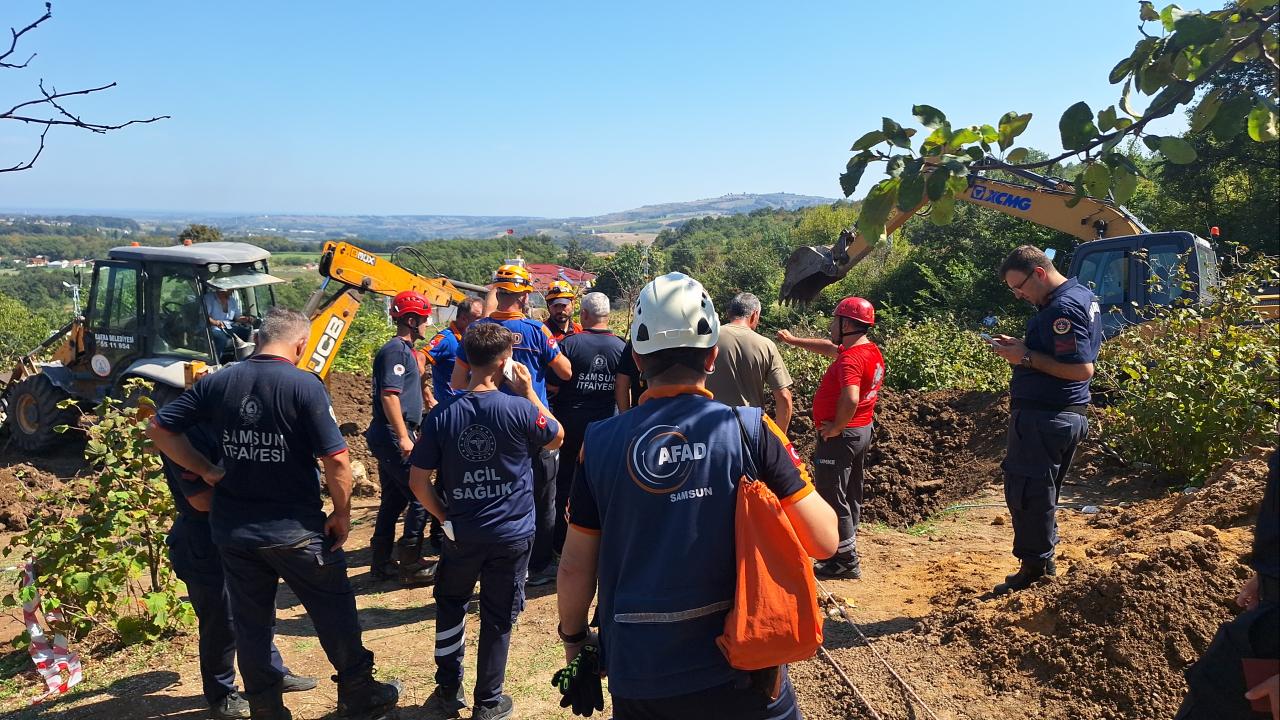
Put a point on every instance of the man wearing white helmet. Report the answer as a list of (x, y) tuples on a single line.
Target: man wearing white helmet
[(666, 474)]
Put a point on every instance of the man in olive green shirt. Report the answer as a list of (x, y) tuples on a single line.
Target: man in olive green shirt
[(748, 362)]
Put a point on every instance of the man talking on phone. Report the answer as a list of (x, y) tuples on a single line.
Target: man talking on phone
[(1049, 395)]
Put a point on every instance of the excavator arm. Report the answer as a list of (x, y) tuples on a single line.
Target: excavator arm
[(357, 272), (1041, 201)]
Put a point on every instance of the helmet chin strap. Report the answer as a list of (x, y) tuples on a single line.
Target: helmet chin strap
[(846, 333)]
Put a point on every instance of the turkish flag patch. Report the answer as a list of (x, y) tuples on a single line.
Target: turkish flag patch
[(541, 421), (795, 456), (434, 342)]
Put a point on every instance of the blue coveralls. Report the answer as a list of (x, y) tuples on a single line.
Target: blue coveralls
[(196, 562), (1047, 418), (273, 420), (481, 444)]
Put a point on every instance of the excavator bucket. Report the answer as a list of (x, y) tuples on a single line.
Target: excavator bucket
[(808, 271)]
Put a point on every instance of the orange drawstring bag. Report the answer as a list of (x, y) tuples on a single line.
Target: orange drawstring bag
[(775, 618)]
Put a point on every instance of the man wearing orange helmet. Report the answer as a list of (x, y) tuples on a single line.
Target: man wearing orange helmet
[(397, 412), (560, 310), (843, 410), (537, 350)]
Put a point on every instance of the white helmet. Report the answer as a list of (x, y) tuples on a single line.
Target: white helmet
[(674, 311)]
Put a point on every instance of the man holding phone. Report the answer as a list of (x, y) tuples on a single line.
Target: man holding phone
[(1049, 395)]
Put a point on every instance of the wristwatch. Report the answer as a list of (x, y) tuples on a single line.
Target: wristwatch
[(571, 639), (1026, 359)]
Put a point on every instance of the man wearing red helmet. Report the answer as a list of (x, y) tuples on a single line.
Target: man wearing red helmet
[(843, 410), (397, 412)]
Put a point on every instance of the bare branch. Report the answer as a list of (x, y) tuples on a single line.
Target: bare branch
[(30, 163), (13, 44)]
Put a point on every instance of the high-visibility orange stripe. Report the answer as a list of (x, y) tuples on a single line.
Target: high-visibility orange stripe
[(667, 391), (505, 315)]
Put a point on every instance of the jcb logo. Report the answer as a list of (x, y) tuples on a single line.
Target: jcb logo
[(328, 341), (366, 258)]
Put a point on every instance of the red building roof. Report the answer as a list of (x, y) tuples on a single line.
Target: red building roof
[(544, 274)]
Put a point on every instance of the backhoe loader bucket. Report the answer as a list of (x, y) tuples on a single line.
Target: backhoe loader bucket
[(808, 271)]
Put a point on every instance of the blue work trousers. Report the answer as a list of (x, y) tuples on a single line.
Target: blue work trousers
[(500, 568), (319, 578), (1041, 446), (196, 562), (396, 499)]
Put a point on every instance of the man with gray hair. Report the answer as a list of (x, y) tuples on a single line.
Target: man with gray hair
[(582, 399), (274, 421), (748, 362)]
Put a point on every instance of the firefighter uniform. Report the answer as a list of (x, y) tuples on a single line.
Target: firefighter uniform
[(668, 471), (395, 371), (1047, 418), (273, 421), (480, 444), (196, 562), (535, 349)]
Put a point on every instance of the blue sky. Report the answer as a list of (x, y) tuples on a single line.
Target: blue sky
[(549, 109)]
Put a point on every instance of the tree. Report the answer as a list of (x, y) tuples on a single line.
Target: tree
[(1193, 48), (200, 233), (50, 109)]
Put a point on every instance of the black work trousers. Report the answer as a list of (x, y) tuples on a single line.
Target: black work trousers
[(395, 499), (319, 578), (734, 701), (838, 469), (1041, 445), (1215, 683), (575, 428), (546, 463), (500, 568)]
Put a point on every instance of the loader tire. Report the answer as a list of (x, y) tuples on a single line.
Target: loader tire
[(34, 413)]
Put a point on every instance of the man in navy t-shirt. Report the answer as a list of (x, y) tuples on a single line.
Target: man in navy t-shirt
[(397, 412), (594, 351), (273, 421), (481, 444), (1049, 395)]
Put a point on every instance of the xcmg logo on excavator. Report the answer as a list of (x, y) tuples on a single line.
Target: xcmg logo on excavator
[(1018, 202), (328, 341)]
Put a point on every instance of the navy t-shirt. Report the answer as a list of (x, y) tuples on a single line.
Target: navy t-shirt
[(185, 484), (272, 420), (442, 351), (1068, 328), (395, 370), (480, 443), (595, 355), (534, 348)]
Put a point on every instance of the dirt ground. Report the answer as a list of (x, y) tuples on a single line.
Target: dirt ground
[(1141, 587)]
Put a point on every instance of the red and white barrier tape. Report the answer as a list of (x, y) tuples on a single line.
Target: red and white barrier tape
[(59, 667)]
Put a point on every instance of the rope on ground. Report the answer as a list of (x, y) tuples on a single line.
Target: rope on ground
[(910, 691), (856, 693)]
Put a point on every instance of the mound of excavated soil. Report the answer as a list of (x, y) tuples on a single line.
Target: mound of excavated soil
[(929, 450), (19, 484), (352, 403)]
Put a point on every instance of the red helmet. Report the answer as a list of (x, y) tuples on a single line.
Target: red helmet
[(856, 308), (410, 302)]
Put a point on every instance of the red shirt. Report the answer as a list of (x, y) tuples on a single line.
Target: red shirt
[(861, 366), (560, 335)]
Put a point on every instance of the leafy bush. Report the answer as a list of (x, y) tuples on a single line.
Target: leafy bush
[(937, 354), (21, 330), (369, 331), (1195, 385), (99, 548)]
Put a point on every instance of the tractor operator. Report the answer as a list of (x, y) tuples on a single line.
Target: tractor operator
[(392, 432), (1049, 394), (843, 413), (538, 351), (226, 319), (274, 420), (559, 299)]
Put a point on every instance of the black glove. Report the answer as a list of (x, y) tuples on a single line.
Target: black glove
[(579, 683)]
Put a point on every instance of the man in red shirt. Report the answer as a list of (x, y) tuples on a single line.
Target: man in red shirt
[(843, 409)]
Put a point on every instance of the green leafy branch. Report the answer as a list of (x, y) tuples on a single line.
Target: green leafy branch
[(1194, 48)]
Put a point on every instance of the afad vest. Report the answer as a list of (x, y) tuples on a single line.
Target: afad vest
[(665, 477)]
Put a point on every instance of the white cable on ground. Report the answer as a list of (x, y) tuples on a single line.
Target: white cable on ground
[(840, 607), (856, 693)]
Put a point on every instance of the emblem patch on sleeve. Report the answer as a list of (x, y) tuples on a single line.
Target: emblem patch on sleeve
[(399, 369), (541, 421), (1061, 326)]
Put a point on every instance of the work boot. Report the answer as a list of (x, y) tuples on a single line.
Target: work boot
[(448, 701), (1050, 569), (501, 711), (230, 707), (364, 696), (268, 705), (382, 567), (839, 569), (297, 683), (414, 570), (1026, 575)]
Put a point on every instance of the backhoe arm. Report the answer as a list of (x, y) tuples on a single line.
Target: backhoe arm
[(357, 272), (810, 269)]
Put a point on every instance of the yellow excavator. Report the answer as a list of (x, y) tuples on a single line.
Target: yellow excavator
[(1127, 266), (147, 317)]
